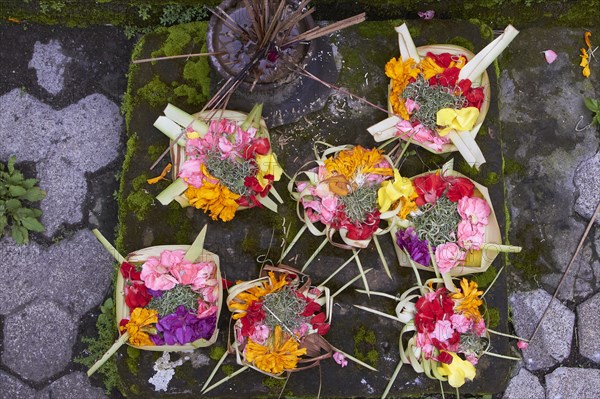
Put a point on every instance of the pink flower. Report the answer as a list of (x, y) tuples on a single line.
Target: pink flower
[(472, 359), (210, 293), (423, 342), (184, 272), (302, 330), (470, 236), (260, 334), (328, 208), (550, 56), (301, 186), (427, 15), (475, 210), (225, 145), (522, 344), (340, 359), (156, 276), (443, 330), (419, 133), (460, 323), (411, 105), (479, 327), (204, 309), (448, 256), (205, 276), (190, 172)]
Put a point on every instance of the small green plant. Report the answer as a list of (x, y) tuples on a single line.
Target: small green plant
[(594, 106), (15, 193), (178, 14)]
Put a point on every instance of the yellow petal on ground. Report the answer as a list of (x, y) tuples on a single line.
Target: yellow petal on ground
[(164, 172)]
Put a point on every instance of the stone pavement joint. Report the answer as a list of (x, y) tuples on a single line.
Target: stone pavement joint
[(573, 382), (588, 325), (12, 388), (72, 386), (524, 386)]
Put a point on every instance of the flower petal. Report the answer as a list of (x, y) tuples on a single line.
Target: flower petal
[(550, 56)]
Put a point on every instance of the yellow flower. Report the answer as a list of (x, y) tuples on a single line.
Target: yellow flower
[(457, 371), (214, 198), (460, 120), (267, 165), (138, 326), (247, 297), (585, 63), (277, 356), (429, 68), (357, 161), (390, 192), (468, 300), (398, 104), (408, 205)]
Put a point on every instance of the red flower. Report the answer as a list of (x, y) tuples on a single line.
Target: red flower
[(259, 146), (431, 308), (459, 187), (444, 357), (364, 230), (474, 96), (318, 323), (254, 314), (429, 188), (136, 295), (129, 272), (252, 183), (447, 78), (311, 308), (442, 60)]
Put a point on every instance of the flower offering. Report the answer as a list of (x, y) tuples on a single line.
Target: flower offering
[(448, 217), (168, 298), (222, 166), (439, 95)]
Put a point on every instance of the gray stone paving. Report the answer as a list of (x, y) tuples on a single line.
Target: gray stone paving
[(588, 325), (552, 343), (571, 382), (524, 386), (49, 284)]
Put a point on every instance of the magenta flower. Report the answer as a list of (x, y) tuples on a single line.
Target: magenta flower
[(417, 249), (448, 256), (183, 327), (340, 359)]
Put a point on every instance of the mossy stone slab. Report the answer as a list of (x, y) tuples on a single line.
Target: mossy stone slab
[(362, 52)]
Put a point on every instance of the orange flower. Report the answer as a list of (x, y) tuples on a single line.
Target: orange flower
[(468, 300), (214, 198), (357, 161), (400, 73), (244, 299), (277, 356), (429, 68), (138, 326), (166, 170)]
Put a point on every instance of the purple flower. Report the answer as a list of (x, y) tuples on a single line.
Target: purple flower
[(155, 293), (183, 327), (417, 249)]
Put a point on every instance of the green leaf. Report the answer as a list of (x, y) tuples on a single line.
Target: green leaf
[(24, 212), (34, 194), (11, 164), (591, 104), (19, 234), (596, 120), (31, 223), (29, 183), (36, 213), (16, 178), (3, 223), (16, 191), (12, 204)]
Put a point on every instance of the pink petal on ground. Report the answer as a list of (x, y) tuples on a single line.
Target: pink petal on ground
[(429, 14), (550, 56)]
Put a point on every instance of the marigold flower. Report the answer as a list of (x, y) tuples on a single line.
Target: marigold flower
[(429, 68), (400, 73), (244, 299), (468, 300), (214, 198), (350, 163), (277, 356), (585, 62), (138, 326)]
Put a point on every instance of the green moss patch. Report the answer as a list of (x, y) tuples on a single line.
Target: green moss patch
[(364, 346)]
